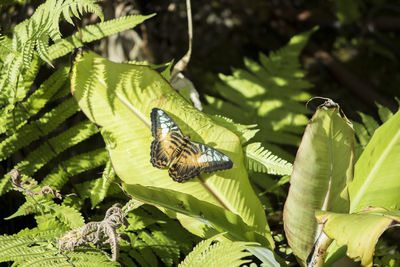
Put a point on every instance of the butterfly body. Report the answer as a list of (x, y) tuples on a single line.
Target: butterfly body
[(185, 159)]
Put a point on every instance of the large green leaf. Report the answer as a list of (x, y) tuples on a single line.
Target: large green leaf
[(377, 172), (323, 166), (120, 97), (358, 231), (215, 216)]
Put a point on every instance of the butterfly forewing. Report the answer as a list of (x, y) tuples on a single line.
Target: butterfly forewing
[(185, 159), (167, 138)]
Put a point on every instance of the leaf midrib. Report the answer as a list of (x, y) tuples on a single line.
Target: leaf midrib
[(372, 173)]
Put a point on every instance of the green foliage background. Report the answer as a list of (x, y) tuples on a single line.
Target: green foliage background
[(253, 80)]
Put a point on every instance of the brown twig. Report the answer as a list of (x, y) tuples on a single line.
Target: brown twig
[(19, 185), (183, 62)]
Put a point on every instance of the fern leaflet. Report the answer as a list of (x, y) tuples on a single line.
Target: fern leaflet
[(100, 187), (91, 33), (55, 145), (36, 32), (38, 128), (42, 204), (80, 163), (259, 159), (224, 252), (369, 122), (384, 113)]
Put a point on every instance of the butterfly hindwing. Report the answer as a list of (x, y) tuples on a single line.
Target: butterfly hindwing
[(212, 160), (196, 158), (167, 137), (186, 166)]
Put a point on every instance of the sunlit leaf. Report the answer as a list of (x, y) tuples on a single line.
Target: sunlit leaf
[(120, 97), (359, 231), (323, 166), (376, 176)]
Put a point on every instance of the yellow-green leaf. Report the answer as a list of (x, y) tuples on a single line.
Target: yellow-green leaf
[(322, 168), (119, 98), (377, 172), (359, 231)]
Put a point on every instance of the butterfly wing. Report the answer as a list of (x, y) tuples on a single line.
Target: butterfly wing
[(196, 158), (167, 137)]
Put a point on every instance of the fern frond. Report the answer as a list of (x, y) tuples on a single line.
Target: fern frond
[(46, 259), (100, 187), (361, 133), (366, 129), (369, 122), (50, 149), (36, 31), (96, 190), (94, 32), (29, 74), (47, 16), (143, 253), (384, 113), (155, 233), (47, 222), (32, 247), (67, 215), (83, 257), (169, 246), (5, 46), (140, 219), (33, 131), (13, 64), (75, 165), (160, 251), (89, 257), (268, 93), (173, 236), (31, 206), (259, 159), (37, 233), (14, 116), (44, 205), (42, 47), (27, 53), (87, 6), (221, 253), (27, 244), (245, 132), (55, 145), (23, 249)]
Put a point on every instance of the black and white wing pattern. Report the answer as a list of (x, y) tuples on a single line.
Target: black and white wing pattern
[(167, 138), (185, 159)]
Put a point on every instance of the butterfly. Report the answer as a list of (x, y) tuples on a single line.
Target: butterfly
[(185, 158)]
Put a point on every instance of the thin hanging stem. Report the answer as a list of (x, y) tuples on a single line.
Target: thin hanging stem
[(184, 61)]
